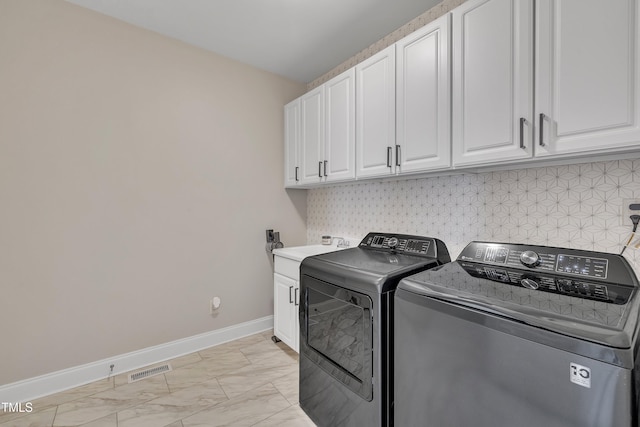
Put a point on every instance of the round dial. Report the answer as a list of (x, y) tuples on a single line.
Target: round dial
[(529, 283), (393, 242), (530, 258)]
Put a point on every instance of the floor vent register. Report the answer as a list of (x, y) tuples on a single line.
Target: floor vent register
[(150, 372)]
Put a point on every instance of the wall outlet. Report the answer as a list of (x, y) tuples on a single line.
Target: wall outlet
[(214, 304), (629, 207)]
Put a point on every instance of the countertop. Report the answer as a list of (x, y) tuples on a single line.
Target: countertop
[(298, 253)]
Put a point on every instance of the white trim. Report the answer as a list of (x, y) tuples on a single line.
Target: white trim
[(54, 382)]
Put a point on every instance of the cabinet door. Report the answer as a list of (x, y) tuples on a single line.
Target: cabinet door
[(295, 312), (340, 121), (423, 96), (291, 143), (312, 136), (285, 321), (587, 77), (375, 114), (492, 81)]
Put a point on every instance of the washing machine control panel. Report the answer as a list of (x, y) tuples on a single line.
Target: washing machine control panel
[(585, 274), (539, 258), (579, 288)]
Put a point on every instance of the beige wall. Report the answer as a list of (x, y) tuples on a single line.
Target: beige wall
[(137, 177)]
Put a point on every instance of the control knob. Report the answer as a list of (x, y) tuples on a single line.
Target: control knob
[(529, 284), (530, 258), (393, 242)]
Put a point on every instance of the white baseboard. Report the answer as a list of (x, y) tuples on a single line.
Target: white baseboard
[(54, 382)]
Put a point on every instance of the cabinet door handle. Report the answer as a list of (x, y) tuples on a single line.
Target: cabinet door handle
[(388, 157), (397, 155), (296, 296), (297, 179), (325, 167), (541, 128), (523, 121), (319, 169), (290, 301)]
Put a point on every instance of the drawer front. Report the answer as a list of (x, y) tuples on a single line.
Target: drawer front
[(287, 267)]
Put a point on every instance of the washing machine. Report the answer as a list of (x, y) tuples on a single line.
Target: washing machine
[(518, 335)]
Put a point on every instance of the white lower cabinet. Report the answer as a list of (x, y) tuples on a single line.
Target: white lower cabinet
[(285, 310), (286, 301)]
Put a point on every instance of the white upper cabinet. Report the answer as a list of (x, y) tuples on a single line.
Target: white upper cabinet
[(423, 95), (587, 79), (312, 136), (376, 114), (340, 127), (291, 143), (469, 90), (492, 81), (326, 133)]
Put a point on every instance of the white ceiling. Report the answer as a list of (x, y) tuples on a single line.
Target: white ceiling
[(298, 39)]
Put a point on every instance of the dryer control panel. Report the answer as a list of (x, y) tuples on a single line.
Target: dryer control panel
[(403, 243)]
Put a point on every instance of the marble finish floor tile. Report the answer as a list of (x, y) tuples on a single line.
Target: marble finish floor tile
[(54, 400), (33, 419), (246, 382), (288, 387), (173, 407), (293, 416), (253, 376), (244, 410), (99, 405), (205, 370), (108, 421)]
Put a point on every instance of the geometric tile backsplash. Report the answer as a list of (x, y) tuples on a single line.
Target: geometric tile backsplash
[(575, 206)]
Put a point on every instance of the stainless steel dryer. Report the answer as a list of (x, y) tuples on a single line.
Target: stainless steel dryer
[(346, 325), (518, 335)]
